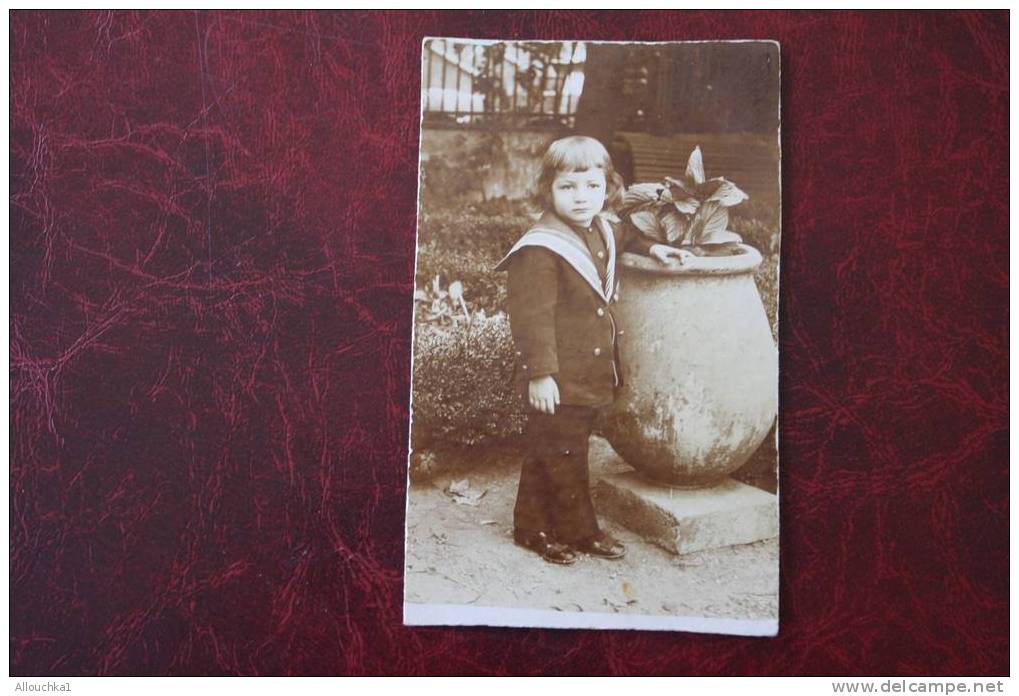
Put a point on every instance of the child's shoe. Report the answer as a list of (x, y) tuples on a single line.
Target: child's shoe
[(603, 546), (541, 544)]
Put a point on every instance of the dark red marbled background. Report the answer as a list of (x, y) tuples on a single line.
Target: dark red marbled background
[(212, 247)]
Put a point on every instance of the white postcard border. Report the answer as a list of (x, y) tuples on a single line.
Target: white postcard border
[(415, 614)]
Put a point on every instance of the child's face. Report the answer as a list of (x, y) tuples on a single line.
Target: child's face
[(579, 196)]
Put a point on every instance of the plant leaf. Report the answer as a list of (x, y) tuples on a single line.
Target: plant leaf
[(727, 193), (711, 217), (456, 290), (647, 222), (715, 224), (686, 189), (687, 206), (639, 194), (675, 225), (723, 237), (695, 166)]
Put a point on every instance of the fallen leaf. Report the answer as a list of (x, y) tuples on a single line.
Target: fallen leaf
[(628, 591), (461, 493), (459, 487), (473, 498)]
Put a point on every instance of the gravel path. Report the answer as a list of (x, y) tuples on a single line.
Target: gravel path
[(458, 553)]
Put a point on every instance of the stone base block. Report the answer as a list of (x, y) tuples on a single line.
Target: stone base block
[(684, 521)]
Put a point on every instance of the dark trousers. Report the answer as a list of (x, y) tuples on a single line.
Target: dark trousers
[(554, 495)]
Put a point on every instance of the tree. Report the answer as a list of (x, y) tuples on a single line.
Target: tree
[(598, 109)]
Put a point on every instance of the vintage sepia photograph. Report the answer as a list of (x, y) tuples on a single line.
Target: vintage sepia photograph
[(593, 437)]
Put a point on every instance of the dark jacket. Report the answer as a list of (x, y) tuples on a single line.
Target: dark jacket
[(560, 308)]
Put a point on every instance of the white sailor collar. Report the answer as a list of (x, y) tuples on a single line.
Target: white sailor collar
[(555, 235)]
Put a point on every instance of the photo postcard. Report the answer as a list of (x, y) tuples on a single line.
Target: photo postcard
[(593, 437)]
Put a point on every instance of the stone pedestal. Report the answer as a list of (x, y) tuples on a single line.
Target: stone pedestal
[(683, 521)]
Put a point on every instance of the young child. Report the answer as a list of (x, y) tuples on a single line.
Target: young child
[(562, 282)]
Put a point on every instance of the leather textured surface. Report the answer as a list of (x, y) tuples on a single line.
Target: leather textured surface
[(212, 251)]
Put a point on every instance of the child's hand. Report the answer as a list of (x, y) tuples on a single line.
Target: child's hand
[(543, 394), (662, 253)]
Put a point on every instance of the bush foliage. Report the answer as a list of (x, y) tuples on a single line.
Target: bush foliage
[(463, 392), (465, 244), (463, 383)]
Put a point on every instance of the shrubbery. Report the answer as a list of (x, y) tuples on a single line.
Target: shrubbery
[(462, 373), (757, 224), (463, 383), (465, 244)]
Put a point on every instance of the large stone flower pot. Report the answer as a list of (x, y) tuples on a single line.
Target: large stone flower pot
[(700, 368)]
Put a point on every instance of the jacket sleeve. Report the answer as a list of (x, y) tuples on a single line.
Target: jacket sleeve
[(533, 292), (633, 240)]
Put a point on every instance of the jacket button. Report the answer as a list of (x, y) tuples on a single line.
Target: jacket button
[(597, 351), (523, 367), (601, 254), (600, 311)]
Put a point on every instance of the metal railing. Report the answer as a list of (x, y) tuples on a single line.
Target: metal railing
[(509, 84)]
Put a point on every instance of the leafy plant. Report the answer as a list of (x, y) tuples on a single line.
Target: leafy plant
[(689, 210), (441, 306)]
